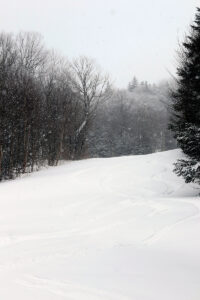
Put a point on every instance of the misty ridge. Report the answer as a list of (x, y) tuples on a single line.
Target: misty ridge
[(53, 109)]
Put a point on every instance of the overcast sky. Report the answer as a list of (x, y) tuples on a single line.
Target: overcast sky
[(126, 37)]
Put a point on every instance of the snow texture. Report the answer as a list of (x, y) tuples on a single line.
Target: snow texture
[(101, 229)]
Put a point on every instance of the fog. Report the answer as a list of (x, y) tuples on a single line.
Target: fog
[(126, 37)]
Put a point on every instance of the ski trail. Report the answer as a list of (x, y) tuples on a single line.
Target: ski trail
[(101, 229)]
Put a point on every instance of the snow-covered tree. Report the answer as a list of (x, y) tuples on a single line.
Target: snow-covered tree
[(185, 121)]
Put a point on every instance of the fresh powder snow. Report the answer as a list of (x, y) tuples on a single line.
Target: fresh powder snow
[(122, 228)]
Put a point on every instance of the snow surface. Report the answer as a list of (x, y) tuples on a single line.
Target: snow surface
[(101, 229)]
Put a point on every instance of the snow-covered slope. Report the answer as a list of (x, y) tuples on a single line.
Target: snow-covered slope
[(101, 229)]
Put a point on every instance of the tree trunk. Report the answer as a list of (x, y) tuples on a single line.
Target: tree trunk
[(1, 157)]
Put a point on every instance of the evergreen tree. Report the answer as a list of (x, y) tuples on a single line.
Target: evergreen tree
[(185, 121), (133, 84)]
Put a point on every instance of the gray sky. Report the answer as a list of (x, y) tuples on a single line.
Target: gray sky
[(126, 37)]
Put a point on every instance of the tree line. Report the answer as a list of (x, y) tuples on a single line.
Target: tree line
[(52, 109), (46, 104)]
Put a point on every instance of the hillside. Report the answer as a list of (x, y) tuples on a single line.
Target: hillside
[(101, 229)]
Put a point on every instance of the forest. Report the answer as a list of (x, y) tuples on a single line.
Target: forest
[(52, 109)]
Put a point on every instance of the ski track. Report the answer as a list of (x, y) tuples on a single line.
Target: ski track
[(167, 191)]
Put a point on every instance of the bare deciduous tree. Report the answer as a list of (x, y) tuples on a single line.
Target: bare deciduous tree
[(93, 88)]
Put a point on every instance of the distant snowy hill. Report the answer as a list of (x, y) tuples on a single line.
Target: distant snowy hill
[(101, 229)]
